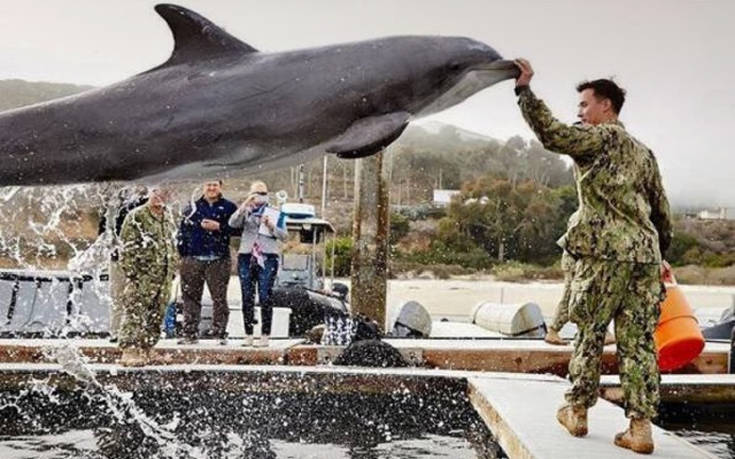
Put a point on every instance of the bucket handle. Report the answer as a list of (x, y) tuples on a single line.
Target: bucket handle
[(671, 280)]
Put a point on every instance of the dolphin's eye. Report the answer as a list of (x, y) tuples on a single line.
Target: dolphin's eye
[(455, 66)]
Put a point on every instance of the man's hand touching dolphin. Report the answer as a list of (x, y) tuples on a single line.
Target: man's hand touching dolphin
[(524, 79)]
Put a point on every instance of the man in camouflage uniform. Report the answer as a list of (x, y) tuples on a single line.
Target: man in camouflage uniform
[(561, 314), (147, 260), (624, 227)]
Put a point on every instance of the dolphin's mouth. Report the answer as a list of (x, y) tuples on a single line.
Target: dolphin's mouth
[(484, 75), (504, 67), (473, 80)]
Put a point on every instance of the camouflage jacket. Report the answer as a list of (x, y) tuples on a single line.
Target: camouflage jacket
[(623, 211), (148, 251), (573, 219)]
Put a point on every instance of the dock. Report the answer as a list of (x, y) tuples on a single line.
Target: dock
[(497, 355), (166, 352), (521, 413), (535, 356), (518, 409)]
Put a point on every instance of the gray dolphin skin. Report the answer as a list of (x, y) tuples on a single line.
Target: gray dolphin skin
[(219, 106)]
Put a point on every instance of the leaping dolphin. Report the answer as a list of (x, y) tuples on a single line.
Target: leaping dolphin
[(218, 105)]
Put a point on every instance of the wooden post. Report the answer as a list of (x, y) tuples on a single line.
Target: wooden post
[(370, 231), (344, 180)]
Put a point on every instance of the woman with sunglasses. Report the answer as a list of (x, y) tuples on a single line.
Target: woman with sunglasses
[(257, 261)]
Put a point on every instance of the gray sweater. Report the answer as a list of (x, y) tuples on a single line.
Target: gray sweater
[(243, 218)]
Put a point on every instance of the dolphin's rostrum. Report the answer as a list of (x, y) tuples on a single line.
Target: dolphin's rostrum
[(218, 105)]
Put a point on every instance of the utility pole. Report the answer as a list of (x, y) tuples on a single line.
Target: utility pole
[(324, 187), (370, 231), (301, 183)]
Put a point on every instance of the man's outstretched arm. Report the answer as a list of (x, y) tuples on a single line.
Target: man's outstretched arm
[(575, 141)]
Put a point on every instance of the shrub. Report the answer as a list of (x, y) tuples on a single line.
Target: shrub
[(515, 271), (439, 271), (342, 255), (680, 245), (440, 254), (399, 227)]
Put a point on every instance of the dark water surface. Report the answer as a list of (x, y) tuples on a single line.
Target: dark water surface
[(48, 423), (82, 444), (709, 426)]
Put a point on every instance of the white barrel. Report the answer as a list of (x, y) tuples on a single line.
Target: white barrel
[(523, 319)]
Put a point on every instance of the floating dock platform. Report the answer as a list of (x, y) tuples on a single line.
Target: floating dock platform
[(504, 355)]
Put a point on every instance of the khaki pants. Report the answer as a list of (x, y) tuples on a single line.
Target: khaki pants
[(194, 273)]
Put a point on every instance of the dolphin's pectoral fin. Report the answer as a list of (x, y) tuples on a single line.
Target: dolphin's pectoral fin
[(196, 37), (369, 135)]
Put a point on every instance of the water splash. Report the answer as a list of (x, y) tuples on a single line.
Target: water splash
[(135, 433), (120, 404), (57, 228)]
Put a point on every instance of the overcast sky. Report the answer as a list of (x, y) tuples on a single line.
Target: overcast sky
[(674, 57)]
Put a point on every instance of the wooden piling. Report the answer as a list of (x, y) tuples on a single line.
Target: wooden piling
[(370, 231)]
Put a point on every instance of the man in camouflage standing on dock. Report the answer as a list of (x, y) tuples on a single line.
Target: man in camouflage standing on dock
[(148, 260), (623, 228), (561, 313)]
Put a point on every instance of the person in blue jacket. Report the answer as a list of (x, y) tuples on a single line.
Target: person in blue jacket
[(204, 245)]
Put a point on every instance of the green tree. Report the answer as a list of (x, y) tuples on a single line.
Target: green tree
[(399, 227), (681, 244), (520, 222), (342, 247)]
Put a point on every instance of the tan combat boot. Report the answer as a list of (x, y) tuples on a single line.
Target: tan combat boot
[(552, 337), (637, 437), (573, 418), (132, 357)]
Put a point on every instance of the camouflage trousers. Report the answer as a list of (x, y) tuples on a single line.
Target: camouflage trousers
[(561, 314), (629, 293), (144, 306)]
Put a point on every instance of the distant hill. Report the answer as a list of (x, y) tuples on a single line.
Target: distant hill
[(444, 137), (435, 127), (19, 93)]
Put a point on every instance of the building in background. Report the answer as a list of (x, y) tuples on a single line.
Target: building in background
[(722, 213), (442, 198)]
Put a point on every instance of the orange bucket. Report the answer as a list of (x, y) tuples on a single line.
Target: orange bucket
[(678, 337)]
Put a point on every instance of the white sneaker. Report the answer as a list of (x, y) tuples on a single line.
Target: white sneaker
[(248, 341), (263, 341)]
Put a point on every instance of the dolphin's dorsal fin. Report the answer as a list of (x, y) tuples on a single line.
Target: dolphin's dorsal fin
[(196, 37)]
